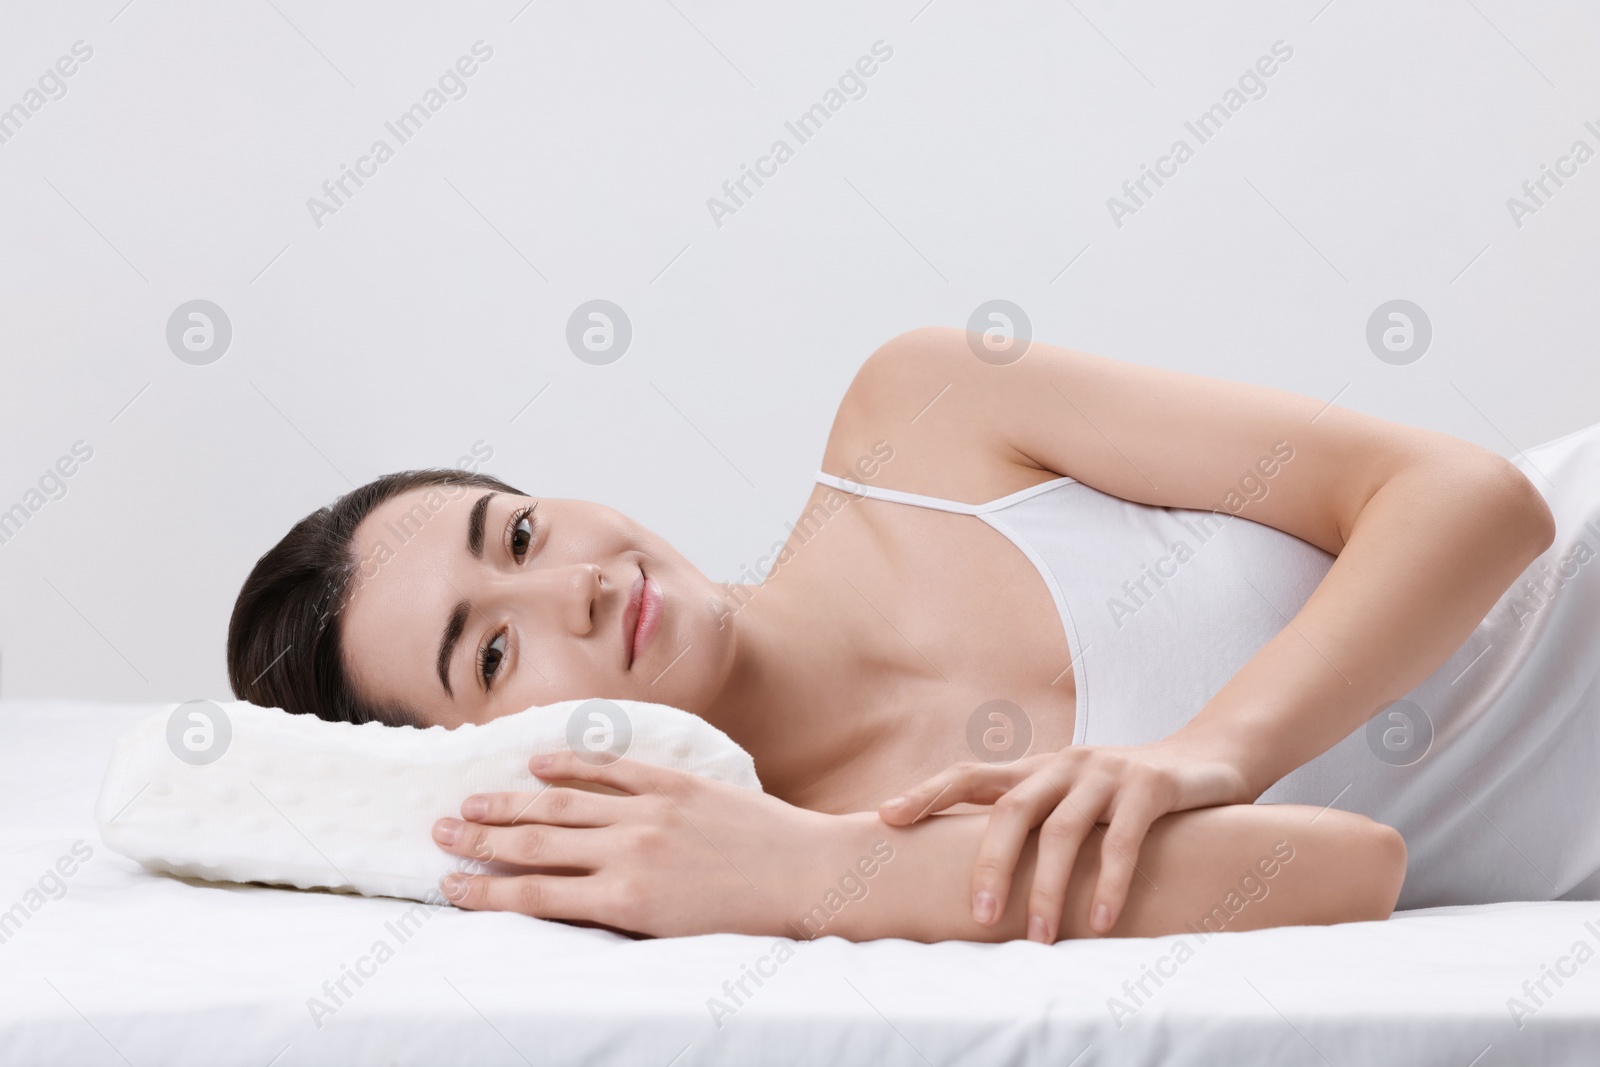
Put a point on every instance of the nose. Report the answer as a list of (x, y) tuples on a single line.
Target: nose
[(567, 596)]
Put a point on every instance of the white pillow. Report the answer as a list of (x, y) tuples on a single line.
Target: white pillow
[(238, 793)]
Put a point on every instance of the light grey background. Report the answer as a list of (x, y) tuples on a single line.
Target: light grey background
[(422, 317)]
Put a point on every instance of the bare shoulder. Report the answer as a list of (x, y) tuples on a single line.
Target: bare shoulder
[(919, 418), (969, 429)]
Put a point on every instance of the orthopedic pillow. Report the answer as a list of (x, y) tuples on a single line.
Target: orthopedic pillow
[(296, 800)]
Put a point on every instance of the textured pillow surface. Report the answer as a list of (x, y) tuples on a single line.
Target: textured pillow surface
[(232, 792)]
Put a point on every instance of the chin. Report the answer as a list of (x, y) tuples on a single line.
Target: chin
[(693, 682)]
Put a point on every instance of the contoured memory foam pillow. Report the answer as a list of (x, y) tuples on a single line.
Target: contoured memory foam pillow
[(233, 792)]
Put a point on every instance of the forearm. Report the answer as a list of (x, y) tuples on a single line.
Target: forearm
[(1425, 560), (1237, 867)]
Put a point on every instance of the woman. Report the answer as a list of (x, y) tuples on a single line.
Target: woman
[(1169, 597)]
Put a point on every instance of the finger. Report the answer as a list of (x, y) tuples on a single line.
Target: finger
[(628, 775), (1061, 838), (525, 846), (1010, 822), (1119, 858), (554, 806), (545, 896), (979, 783)]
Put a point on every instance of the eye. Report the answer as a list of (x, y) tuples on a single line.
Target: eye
[(521, 531), (489, 659)]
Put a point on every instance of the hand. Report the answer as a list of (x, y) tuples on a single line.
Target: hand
[(1065, 794), (677, 854)]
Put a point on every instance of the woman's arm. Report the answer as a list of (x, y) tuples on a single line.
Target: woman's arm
[(1429, 531), (676, 854), (1236, 867)]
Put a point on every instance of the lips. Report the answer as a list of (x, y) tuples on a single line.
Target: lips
[(630, 617), (641, 618)]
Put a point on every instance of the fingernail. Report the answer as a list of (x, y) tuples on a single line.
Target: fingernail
[(445, 831), (983, 907), (474, 807), (1036, 930), (538, 763), (454, 885), (1102, 918), (897, 802)]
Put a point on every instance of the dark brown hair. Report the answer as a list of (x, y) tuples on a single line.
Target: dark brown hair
[(284, 648)]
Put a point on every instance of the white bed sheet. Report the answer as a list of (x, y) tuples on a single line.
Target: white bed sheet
[(129, 967)]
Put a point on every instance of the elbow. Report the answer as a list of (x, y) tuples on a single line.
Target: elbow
[(1385, 866), (1543, 521), (1503, 488), (1361, 869), (1524, 498)]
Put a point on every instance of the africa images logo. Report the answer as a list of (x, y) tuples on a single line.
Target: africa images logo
[(851, 85), (451, 85), (1251, 85)]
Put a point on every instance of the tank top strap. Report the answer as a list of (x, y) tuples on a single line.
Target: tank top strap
[(937, 503)]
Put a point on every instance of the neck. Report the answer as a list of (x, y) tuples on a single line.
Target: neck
[(808, 673)]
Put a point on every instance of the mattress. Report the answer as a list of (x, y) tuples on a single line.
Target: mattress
[(103, 962)]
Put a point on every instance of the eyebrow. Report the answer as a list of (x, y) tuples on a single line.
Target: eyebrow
[(475, 525), (457, 623), (447, 645)]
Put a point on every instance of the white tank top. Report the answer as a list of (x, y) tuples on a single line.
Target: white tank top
[(1490, 768)]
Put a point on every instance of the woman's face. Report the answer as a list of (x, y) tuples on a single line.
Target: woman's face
[(516, 608)]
